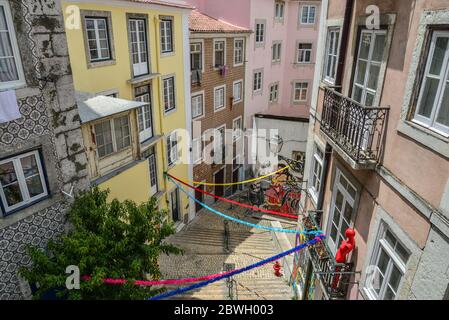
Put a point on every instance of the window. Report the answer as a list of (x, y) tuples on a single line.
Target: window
[(274, 92), (152, 166), (237, 89), (219, 97), (98, 39), (22, 181), (11, 72), (166, 25), (220, 144), (238, 52), (260, 33), (331, 55), (112, 135), (317, 172), (300, 91), (197, 105), (257, 81), (390, 258), (433, 103), (139, 52), (197, 150), (219, 53), (236, 128), (144, 114), (169, 94), (366, 79), (276, 52), (172, 148), (279, 10), (308, 14), (304, 53), (341, 211), (196, 56)]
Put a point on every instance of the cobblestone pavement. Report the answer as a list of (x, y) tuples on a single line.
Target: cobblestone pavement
[(204, 253)]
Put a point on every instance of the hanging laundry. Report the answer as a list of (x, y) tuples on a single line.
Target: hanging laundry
[(9, 109)]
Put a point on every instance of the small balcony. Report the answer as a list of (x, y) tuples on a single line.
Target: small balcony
[(334, 277), (355, 131)]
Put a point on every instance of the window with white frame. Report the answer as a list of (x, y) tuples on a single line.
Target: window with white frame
[(236, 128), (219, 53), (11, 71), (139, 45), (237, 89), (22, 181), (219, 97), (317, 173), (300, 91), (197, 150), (220, 144), (144, 114), (257, 81), (172, 148), (98, 38), (112, 135), (196, 56), (304, 54), (331, 55), (279, 10), (433, 103), (389, 259), (197, 105), (308, 14), (274, 92), (260, 32), (166, 26), (238, 52), (169, 94), (276, 52)]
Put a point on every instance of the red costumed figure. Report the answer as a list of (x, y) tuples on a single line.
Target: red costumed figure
[(346, 246)]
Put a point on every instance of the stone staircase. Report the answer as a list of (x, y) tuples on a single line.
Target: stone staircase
[(203, 242)]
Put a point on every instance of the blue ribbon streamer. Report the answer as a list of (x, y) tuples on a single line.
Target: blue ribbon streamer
[(306, 232), (237, 271)]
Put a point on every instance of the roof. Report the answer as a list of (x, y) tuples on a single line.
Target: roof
[(170, 3), (91, 108), (200, 22)]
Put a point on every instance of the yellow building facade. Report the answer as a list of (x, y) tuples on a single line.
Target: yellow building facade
[(134, 51)]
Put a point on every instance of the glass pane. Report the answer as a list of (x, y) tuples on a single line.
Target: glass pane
[(438, 55), (402, 252), (13, 194), (383, 261), (428, 97), (443, 114), (339, 200), (379, 46), (357, 95), (8, 71), (361, 71), (365, 43), (7, 173), (34, 185), (389, 237), (334, 233), (5, 47), (389, 294), (373, 76), (395, 278), (29, 166), (369, 99), (347, 213)]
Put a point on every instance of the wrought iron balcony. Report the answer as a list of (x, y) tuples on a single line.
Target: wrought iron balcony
[(356, 129), (334, 277)]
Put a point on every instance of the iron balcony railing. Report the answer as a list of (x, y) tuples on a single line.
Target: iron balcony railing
[(357, 129), (333, 276)]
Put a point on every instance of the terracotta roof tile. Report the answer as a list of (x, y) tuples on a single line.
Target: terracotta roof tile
[(200, 22)]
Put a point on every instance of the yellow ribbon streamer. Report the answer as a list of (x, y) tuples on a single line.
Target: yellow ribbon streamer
[(239, 182)]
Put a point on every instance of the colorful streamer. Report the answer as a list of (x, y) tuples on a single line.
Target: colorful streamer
[(291, 216), (239, 182), (311, 232), (237, 271)]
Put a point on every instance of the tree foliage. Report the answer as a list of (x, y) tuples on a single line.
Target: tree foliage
[(105, 239)]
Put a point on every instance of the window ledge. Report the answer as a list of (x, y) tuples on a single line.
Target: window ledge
[(424, 136), (143, 78), (167, 54), (91, 65)]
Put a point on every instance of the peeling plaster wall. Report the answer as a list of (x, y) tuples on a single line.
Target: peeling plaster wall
[(49, 121)]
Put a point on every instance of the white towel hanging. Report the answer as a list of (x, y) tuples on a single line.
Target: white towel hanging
[(9, 109)]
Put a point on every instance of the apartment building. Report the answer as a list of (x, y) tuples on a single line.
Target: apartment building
[(130, 66), (378, 150), (217, 61), (280, 63), (42, 160)]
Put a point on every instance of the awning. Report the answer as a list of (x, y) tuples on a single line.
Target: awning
[(91, 107)]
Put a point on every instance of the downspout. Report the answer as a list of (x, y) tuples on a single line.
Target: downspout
[(343, 45)]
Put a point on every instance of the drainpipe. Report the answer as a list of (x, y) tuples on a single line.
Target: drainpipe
[(343, 45)]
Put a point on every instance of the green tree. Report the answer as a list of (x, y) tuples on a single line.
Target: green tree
[(105, 239)]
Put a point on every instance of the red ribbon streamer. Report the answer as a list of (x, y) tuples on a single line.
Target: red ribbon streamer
[(291, 216)]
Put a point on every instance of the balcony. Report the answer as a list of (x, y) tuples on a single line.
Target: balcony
[(334, 277), (355, 131)]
